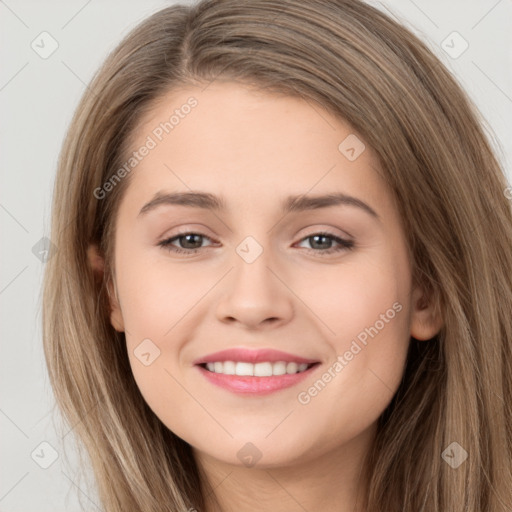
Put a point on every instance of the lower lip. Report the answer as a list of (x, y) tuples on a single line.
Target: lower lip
[(255, 385)]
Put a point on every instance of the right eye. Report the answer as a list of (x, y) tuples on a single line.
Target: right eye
[(185, 238)]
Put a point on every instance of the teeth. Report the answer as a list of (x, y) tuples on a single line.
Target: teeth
[(266, 369), (244, 369), (263, 370), (292, 367), (228, 368)]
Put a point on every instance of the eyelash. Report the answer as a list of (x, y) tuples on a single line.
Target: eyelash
[(344, 245)]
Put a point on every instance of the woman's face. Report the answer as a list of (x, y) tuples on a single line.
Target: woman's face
[(326, 280)]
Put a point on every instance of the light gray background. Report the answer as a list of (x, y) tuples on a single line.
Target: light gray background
[(37, 99)]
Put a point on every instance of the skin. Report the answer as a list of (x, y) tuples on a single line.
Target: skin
[(254, 149)]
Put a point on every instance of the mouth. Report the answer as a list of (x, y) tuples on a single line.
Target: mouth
[(262, 369), (255, 373)]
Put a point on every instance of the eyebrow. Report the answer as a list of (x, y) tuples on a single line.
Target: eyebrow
[(291, 204)]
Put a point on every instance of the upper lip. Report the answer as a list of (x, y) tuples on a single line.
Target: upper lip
[(252, 356)]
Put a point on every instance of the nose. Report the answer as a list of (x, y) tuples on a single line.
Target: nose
[(255, 295)]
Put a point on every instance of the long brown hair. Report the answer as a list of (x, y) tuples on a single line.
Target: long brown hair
[(376, 75)]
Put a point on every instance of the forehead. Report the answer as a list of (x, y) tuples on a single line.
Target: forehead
[(229, 137)]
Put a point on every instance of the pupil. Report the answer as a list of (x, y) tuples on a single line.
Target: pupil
[(187, 241), (324, 246)]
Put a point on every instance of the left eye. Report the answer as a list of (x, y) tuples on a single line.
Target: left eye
[(192, 242), (319, 238)]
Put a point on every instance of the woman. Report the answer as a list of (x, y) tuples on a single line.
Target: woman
[(265, 370)]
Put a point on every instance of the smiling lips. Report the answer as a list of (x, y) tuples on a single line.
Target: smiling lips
[(254, 371)]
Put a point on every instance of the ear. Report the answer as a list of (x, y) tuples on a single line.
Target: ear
[(97, 263), (426, 318)]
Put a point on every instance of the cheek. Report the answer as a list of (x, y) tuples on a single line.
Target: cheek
[(156, 295), (160, 308), (369, 353), (364, 314), (362, 300)]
